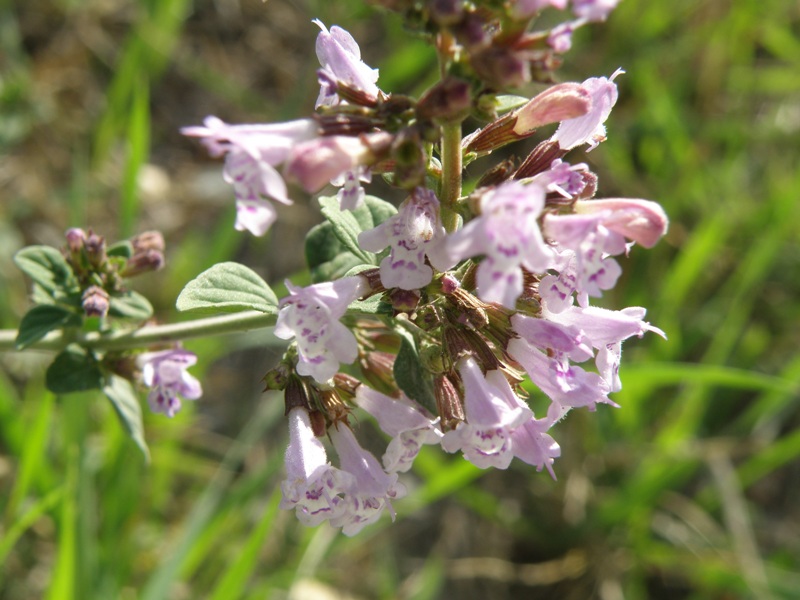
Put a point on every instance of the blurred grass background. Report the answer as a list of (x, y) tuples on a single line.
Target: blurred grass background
[(688, 491)]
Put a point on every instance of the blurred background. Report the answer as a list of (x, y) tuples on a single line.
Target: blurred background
[(688, 491)]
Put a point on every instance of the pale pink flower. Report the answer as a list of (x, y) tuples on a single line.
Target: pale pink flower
[(410, 233), (589, 128), (311, 315), (252, 154), (493, 411), (312, 486), (165, 373), (507, 234), (410, 426), (340, 57), (371, 489)]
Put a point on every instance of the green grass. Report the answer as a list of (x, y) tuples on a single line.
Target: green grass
[(684, 492)]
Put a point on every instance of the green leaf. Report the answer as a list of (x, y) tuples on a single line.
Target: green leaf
[(346, 228), (410, 375), (73, 370), (374, 305), (47, 267), (329, 247), (123, 249), (130, 305), (326, 256), (508, 102), (227, 287), (373, 212), (41, 320), (126, 403)]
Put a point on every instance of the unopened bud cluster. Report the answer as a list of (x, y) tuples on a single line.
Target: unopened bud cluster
[(100, 270)]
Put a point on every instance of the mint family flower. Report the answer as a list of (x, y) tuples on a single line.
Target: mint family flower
[(410, 233), (165, 373), (370, 488), (493, 412), (340, 57), (312, 486), (252, 153), (589, 128), (507, 233), (409, 424), (311, 315)]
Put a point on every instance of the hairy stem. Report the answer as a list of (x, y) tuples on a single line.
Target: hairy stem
[(147, 336), (451, 174)]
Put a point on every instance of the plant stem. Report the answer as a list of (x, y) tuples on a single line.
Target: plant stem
[(147, 336), (451, 174)]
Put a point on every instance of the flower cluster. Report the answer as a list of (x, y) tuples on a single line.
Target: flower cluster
[(429, 316)]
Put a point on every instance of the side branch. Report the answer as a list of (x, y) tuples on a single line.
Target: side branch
[(149, 335)]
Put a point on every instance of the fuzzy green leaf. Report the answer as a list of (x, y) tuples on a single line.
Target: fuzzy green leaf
[(346, 228), (73, 370), (227, 287), (130, 305), (41, 320), (326, 256), (126, 404), (48, 268), (410, 375)]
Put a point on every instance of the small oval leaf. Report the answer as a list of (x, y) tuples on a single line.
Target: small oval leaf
[(41, 320), (126, 404), (47, 267), (227, 287)]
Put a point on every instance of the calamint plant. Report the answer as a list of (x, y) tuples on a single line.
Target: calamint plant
[(447, 318)]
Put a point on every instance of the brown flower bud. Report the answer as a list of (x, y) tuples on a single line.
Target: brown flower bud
[(448, 101), (148, 240), (448, 403), (143, 262), (95, 302)]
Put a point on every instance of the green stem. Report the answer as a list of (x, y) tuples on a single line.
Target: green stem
[(451, 174), (147, 336)]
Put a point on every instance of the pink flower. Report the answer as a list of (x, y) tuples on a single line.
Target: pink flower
[(593, 10), (605, 330), (370, 489), (312, 486), (409, 424), (252, 154), (352, 194), (165, 373), (642, 221), (410, 234), (507, 234), (589, 128), (315, 163), (340, 57), (311, 315), (493, 412)]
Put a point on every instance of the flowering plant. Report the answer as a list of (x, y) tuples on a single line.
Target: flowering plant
[(429, 316)]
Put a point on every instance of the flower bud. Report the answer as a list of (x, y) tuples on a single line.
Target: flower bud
[(143, 262), (557, 103), (75, 239), (501, 68), (297, 395), (95, 302), (95, 249), (148, 240), (314, 163), (539, 159), (642, 221), (278, 377), (448, 403), (449, 100)]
